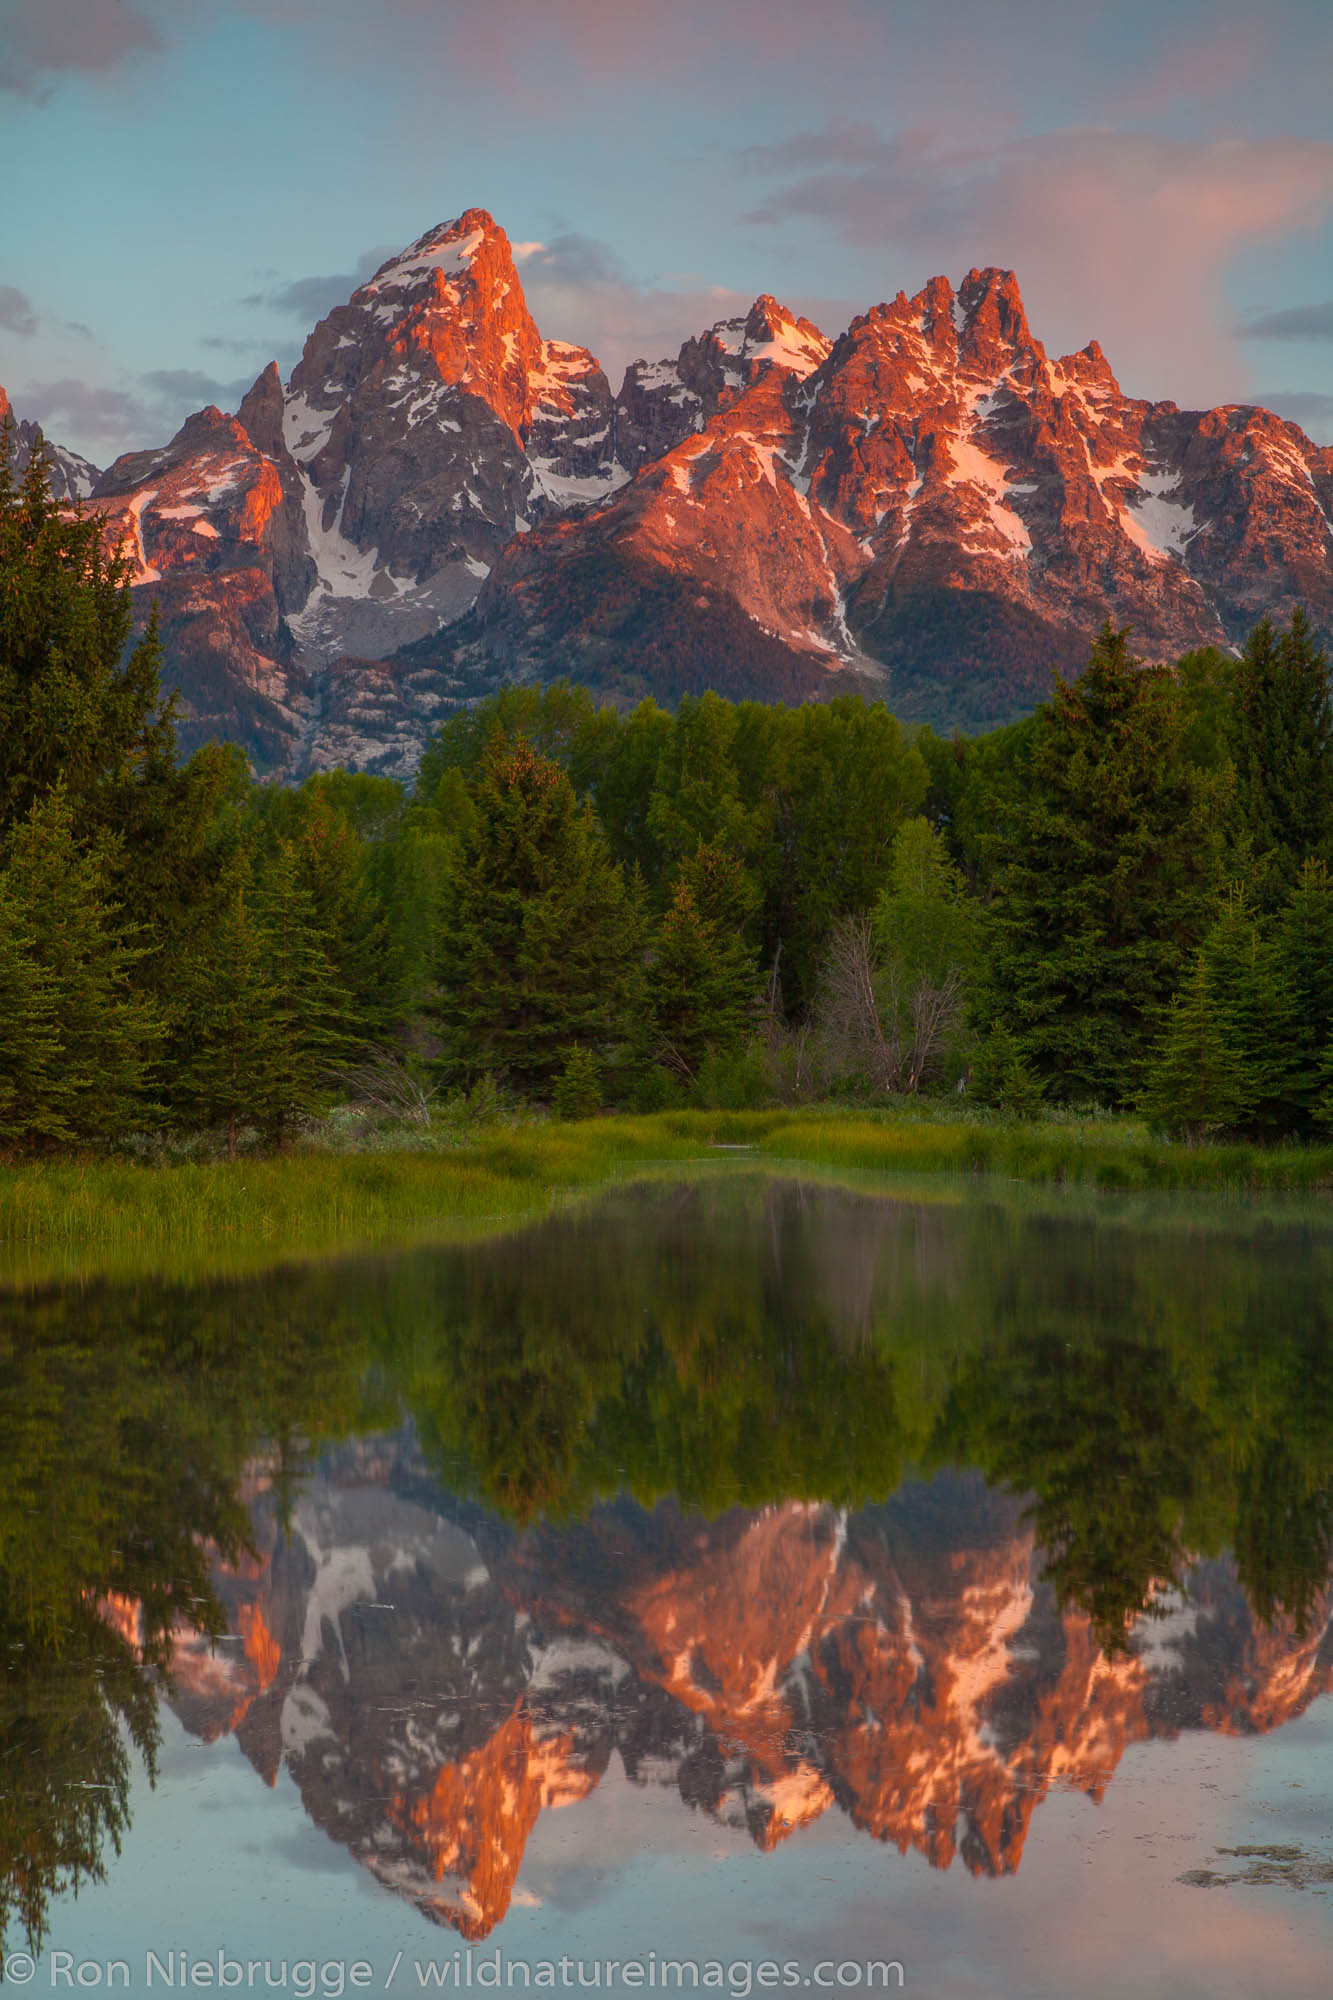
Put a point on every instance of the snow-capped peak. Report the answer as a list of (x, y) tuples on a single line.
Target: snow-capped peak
[(772, 333), (450, 248)]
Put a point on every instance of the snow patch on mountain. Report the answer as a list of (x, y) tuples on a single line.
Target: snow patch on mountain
[(974, 467), (432, 252), (344, 570), (305, 429), (1165, 520)]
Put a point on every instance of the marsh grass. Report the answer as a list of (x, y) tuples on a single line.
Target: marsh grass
[(1100, 1153), (193, 1218)]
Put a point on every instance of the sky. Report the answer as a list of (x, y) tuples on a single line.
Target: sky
[(190, 184)]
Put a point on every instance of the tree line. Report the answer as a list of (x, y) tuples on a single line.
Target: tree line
[(1124, 900)]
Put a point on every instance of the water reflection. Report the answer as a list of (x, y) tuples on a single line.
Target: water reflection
[(796, 1502), (906, 1665)]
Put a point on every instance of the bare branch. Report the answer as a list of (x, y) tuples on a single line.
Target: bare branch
[(386, 1084)]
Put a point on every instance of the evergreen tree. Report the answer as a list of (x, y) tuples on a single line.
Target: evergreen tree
[(702, 985), (78, 705), (725, 893), (1282, 746), (31, 1099), (1001, 1077), (229, 1034), (364, 958), (82, 964), (577, 1092), (541, 949), (1323, 1094), (1304, 955), (1247, 975), (1104, 887), (1198, 1084), (308, 1007)]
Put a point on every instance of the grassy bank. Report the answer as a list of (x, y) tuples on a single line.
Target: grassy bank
[(118, 1217)]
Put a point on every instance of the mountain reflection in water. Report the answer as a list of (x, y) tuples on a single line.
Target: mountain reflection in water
[(798, 1502)]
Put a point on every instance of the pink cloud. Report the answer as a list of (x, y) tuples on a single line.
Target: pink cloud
[(511, 39), (535, 55)]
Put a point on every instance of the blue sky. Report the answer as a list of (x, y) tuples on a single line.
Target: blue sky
[(191, 182)]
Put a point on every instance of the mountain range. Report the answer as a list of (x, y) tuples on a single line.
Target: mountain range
[(433, 1683), (928, 508)]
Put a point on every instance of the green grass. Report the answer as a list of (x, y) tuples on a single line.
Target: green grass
[(114, 1217), (1100, 1153)]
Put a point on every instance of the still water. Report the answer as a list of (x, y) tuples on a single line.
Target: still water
[(738, 1584)]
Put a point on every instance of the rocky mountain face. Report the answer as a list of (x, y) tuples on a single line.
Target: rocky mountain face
[(929, 507), (941, 506), (214, 527), (72, 477), (433, 1684)]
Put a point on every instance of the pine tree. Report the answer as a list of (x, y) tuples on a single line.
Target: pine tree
[(229, 1036), (1001, 1078), (1304, 954), (702, 985), (96, 1085), (1104, 887), (1197, 1083), (78, 704), (81, 707), (363, 958), (1282, 747), (32, 1099), (1249, 979), (309, 1007), (1323, 1094), (541, 947), (724, 892)]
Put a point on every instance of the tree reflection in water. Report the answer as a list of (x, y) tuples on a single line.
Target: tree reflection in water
[(1153, 1393)]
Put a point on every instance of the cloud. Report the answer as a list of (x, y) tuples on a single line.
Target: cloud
[(103, 420), (309, 299), (1291, 323), (1125, 237), (569, 259), (19, 315), (224, 343), (89, 415), (179, 386), (577, 289), (16, 313), (39, 39), (511, 42)]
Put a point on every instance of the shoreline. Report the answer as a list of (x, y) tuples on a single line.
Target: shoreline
[(69, 1221)]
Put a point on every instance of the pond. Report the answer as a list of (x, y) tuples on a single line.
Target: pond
[(734, 1583)]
